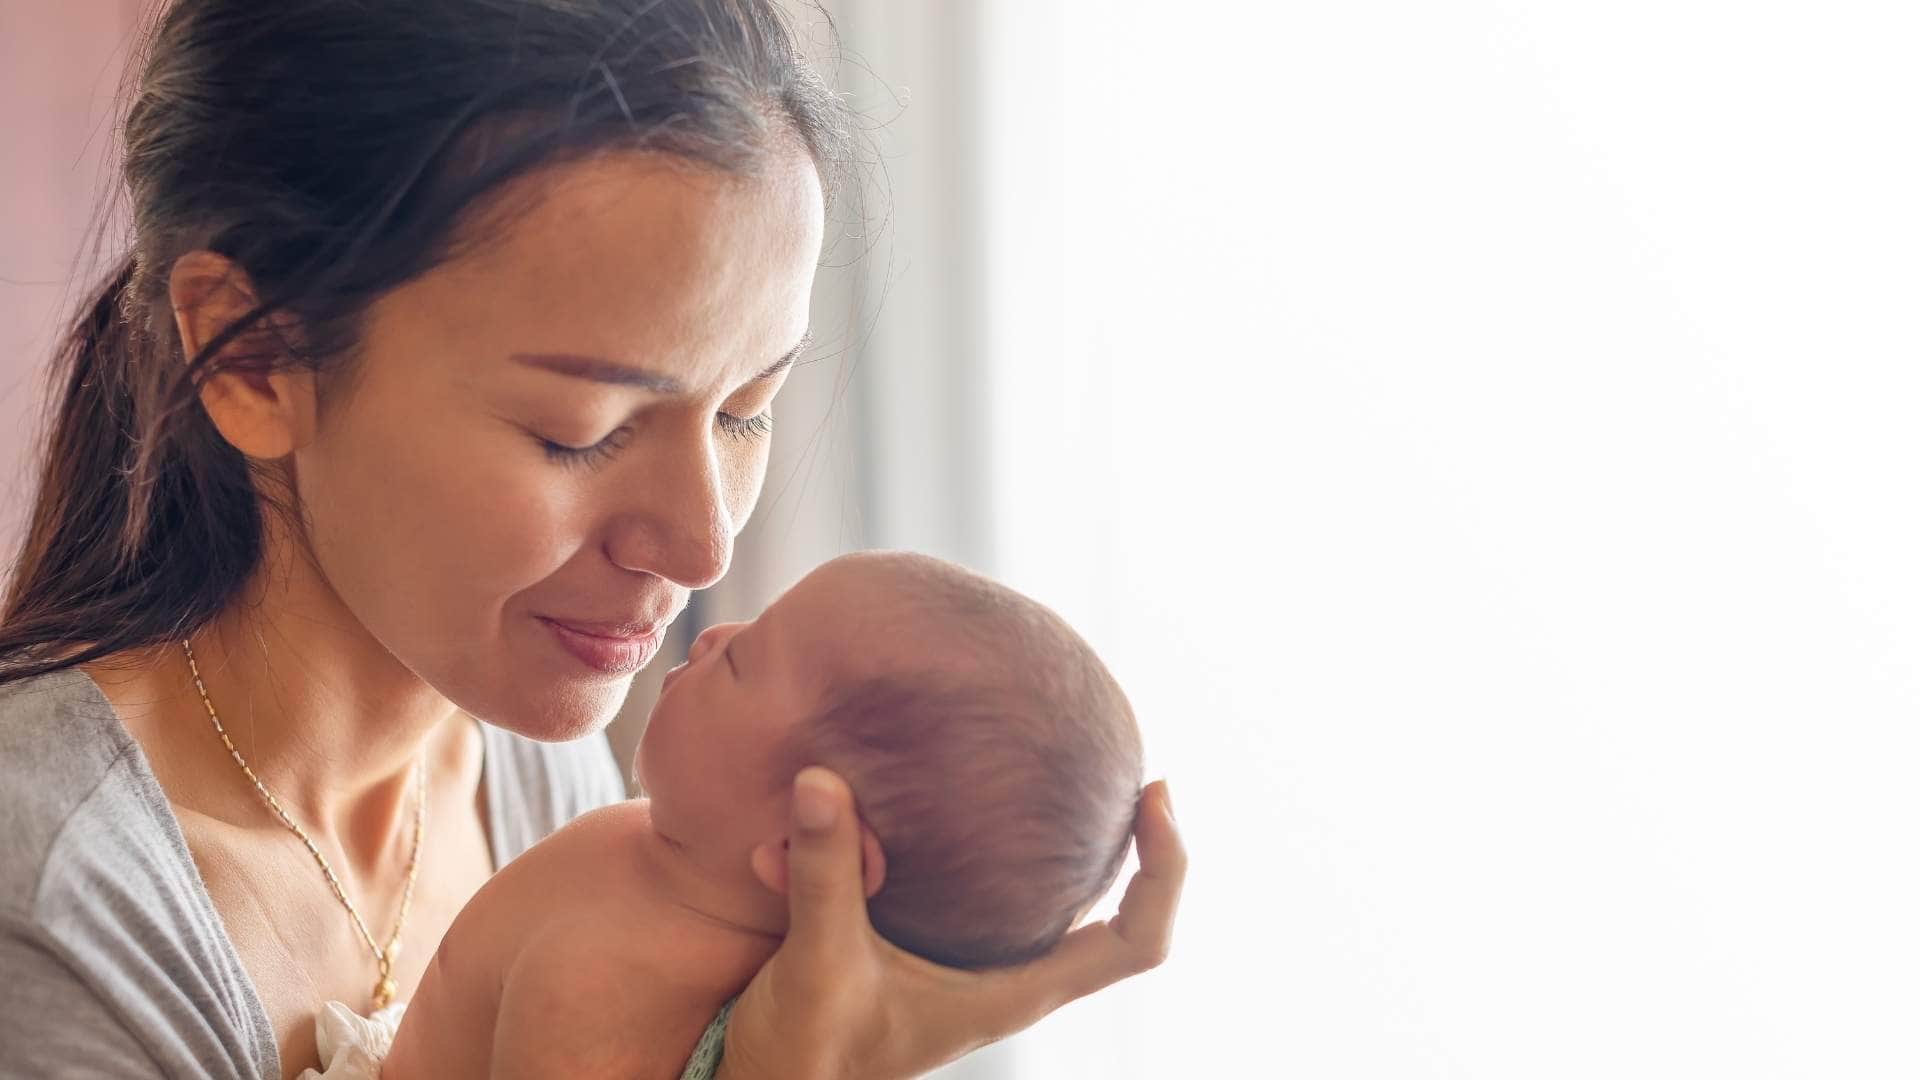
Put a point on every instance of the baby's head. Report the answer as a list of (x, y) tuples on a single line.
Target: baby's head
[(989, 750)]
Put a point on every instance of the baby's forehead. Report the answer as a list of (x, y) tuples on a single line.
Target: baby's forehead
[(889, 633), (868, 616), (859, 596)]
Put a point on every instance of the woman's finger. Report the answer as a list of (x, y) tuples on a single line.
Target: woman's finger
[(825, 902), (1145, 919)]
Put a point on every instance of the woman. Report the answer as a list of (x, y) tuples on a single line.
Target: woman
[(438, 374)]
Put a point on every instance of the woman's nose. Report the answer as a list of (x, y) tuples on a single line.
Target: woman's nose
[(679, 526)]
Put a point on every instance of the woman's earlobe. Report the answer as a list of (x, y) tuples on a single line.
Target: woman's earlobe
[(263, 416)]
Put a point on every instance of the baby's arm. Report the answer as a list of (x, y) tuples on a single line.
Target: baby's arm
[(584, 1013), (553, 969), (447, 1028)]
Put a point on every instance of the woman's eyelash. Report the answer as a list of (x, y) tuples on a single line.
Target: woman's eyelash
[(748, 427), (563, 454), (740, 427)]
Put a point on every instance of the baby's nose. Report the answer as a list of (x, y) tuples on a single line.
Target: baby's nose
[(711, 636)]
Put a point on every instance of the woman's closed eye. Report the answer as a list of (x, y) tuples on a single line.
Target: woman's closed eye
[(598, 453), (739, 427), (746, 427)]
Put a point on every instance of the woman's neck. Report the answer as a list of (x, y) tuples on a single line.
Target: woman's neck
[(324, 716)]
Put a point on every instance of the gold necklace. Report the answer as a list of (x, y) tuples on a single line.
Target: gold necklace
[(384, 989)]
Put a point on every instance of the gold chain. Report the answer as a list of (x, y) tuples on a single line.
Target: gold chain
[(384, 989)]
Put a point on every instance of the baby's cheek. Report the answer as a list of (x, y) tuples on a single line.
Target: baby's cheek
[(760, 785), (673, 764)]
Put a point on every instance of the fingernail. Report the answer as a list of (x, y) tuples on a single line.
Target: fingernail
[(813, 800), (1166, 796)]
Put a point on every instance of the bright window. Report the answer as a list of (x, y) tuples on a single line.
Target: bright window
[(1482, 437)]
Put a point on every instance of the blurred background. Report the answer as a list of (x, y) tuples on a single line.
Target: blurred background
[(1479, 436)]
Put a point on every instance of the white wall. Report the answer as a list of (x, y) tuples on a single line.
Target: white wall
[(1479, 436), (59, 66)]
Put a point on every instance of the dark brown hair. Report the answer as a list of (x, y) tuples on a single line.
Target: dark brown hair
[(1001, 778), (332, 151)]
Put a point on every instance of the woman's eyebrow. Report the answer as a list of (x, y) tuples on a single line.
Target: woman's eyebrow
[(601, 370), (595, 369), (793, 354)]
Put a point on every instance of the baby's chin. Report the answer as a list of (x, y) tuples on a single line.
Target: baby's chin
[(636, 768)]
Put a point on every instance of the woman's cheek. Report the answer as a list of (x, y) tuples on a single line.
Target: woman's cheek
[(523, 525), (743, 473)]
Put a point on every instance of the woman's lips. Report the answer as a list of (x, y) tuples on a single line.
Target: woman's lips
[(607, 648)]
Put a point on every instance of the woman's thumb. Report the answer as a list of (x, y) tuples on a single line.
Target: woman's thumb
[(825, 899)]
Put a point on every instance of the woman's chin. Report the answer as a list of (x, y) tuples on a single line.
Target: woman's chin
[(556, 711), (541, 695)]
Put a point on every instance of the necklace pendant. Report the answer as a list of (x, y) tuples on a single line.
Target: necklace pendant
[(386, 988)]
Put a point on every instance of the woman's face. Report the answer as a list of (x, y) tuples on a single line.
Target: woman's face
[(548, 442)]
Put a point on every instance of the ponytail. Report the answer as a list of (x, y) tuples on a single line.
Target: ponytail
[(146, 523)]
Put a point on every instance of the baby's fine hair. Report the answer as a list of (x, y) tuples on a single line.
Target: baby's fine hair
[(1001, 778)]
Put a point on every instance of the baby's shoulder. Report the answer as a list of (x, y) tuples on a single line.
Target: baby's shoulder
[(607, 830), (595, 859), (564, 896)]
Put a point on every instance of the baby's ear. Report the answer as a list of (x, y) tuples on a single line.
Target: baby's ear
[(770, 864)]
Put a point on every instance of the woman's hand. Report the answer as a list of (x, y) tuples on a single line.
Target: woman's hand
[(838, 1002)]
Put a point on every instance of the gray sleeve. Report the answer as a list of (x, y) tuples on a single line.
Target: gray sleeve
[(534, 788), (52, 1023), (113, 961), (598, 781)]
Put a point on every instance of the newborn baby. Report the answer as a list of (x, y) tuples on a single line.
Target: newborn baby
[(992, 756)]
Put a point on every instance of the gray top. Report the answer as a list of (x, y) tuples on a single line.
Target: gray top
[(113, 961)]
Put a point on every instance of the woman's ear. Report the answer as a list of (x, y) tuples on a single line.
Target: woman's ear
[(264, 411), (770, 864)]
